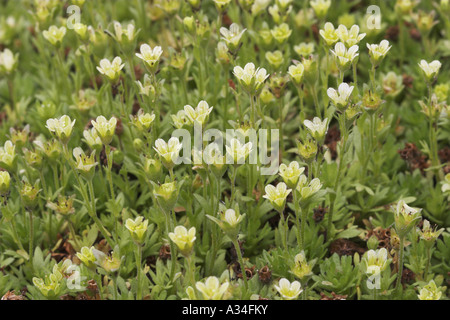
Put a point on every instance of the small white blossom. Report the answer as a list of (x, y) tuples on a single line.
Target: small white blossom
[(340, 97)]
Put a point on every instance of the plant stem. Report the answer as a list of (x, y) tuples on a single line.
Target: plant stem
[(233, 184), (109, 157), (139, 267), (31, 235), (333, 196), (191, 269), (252, 112), (427, 266), (316, 100), (297, 218), (281, 128), (400, 263), (241, 262)]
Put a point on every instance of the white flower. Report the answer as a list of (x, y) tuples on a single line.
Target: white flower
[(54, 34), (446, 184), (199, 114), (129, 32), (277, 195), (5, 180), (62, 127), (150, 56), (340, 97), (80, 29), (291, 173), (308, 190), (221, 4), (376, 261), (105, 128), (329, 34), (283, 4), (304, 49), (287, 290), (144, 120), (259, 6), (430, 292), (146, 88), (405, 217), (320, 7), (8, 61), (317, 128), (231, 218), (297, 72), (232, 36), (377, 52), (111, 69), (344, 57), (431, 69), (212, 289), (251, 78), (180, 119), (168, 152), (237, 152), (7, 155), (85, 164), (92, 139), (183, 238), (349, 37), (137, 228)]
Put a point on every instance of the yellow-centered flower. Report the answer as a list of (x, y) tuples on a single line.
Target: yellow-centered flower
[(287, 290), (184, 239), (211, 289)]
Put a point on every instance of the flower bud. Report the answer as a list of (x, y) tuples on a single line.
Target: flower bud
[(189, 24), (373, 243)]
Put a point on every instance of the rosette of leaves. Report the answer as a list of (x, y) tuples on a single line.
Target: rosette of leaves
[(338, 275)]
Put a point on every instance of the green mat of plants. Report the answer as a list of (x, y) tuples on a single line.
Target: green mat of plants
[(224, 150)]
